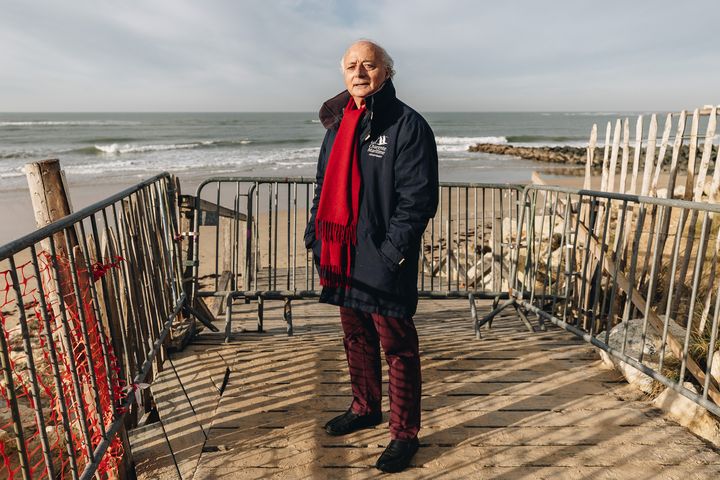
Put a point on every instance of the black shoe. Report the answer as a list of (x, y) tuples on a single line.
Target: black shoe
[(397, 455), (350, 422)]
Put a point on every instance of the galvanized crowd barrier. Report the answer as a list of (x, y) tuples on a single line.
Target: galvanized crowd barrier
[(247, 242), (86, 304), (634, 276)]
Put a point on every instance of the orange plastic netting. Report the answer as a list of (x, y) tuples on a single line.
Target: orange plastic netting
[(89, 399)]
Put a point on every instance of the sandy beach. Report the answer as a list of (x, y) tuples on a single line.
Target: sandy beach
[(16, 213)]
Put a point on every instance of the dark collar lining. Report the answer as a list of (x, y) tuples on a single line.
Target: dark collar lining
[(332, 110)]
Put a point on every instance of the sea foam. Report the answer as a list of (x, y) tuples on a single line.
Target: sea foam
[(115, 149), (461, 144)]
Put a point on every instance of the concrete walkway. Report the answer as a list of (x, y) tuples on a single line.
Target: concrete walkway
[(514, 405)]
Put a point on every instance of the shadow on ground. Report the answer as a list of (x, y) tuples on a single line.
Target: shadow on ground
[(513, 405)]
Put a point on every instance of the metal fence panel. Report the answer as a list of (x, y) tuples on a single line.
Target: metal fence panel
[(635, 276), (251, 233), (85, 306)]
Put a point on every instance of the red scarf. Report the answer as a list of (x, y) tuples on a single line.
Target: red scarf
[(337, 215)]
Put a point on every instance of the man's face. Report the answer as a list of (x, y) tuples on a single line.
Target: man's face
[(363, 70)]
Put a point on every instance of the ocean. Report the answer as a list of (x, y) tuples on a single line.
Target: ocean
[(112, 147)]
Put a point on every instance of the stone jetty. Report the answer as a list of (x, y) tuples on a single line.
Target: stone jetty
[(569, 155)]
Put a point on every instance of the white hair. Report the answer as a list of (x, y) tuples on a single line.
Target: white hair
[(385, 57)]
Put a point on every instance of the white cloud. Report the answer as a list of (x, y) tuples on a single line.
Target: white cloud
[(158, 55)]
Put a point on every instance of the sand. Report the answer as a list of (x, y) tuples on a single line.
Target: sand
[(16, 213)]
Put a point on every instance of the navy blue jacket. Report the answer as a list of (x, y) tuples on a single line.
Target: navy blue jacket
[(399, 194)]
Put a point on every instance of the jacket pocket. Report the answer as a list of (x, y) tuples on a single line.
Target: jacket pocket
[(372, 269), (389, 264)]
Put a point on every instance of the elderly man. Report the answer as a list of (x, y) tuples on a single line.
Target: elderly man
[(377, 187)]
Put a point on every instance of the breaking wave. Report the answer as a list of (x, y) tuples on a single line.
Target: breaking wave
[(118, 149), (461, 144), (115, 149)]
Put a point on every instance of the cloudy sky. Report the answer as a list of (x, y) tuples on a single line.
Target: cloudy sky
[(282, 55)]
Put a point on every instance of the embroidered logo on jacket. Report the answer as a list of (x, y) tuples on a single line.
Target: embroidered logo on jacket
[(378, 147)]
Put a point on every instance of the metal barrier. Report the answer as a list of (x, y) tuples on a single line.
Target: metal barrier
[(251, 231), (84, 318), (635, 276)]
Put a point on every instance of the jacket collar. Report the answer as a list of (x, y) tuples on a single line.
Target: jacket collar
[(332, 110)]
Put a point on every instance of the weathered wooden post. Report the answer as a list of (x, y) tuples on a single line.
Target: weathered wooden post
[(51, 201)]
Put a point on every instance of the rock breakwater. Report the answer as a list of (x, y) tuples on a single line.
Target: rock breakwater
[(569, 155)]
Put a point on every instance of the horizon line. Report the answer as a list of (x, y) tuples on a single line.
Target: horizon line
[(610, 111)]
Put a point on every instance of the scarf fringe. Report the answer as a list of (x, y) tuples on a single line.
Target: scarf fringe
[(335, 232), (334, 277)]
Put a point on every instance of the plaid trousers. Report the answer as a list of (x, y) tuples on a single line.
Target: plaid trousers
[(364, 333)]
